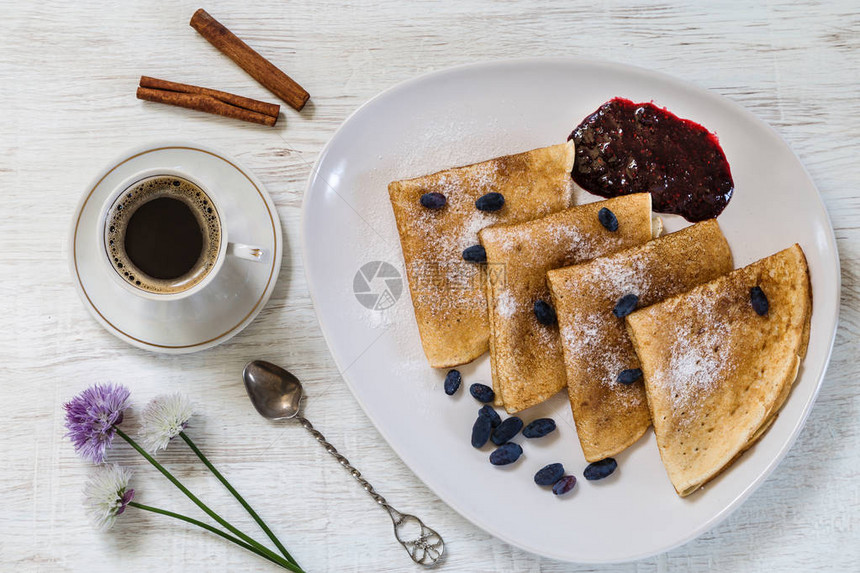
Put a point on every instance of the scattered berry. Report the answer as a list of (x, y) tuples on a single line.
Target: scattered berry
[(625, 305), (490, 202), (600, 470), (629, 376), (564, 485), (549, 474), (545, 313), (539, 428), (488, 411), (507, 430), (608, 219), (506, 454), (475, 254), (452, 382), (759, 301), (481, 430), (482, 392), (433, 200)]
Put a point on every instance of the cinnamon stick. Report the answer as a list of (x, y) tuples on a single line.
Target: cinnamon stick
[(208, 100), (244, 102), (256, 65)]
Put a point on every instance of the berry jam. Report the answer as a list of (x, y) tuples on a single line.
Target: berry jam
[(627, 147)]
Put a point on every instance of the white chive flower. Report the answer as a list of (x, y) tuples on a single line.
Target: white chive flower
[(163, 419), (106, 494)]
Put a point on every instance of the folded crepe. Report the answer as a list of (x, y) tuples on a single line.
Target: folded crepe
[(717, 372), (610, 415), (525, 355), (448, 293)]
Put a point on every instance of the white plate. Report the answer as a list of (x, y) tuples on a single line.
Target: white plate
[(476, 112), (221, 309)]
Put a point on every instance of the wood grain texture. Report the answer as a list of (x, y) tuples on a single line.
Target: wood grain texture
[(68, 73)]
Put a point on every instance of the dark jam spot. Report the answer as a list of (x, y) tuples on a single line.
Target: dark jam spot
[(119, 264), (176, 183), (627, 147), (137, 283)]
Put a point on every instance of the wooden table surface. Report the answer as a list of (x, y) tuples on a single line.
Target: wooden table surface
[(68, 72)]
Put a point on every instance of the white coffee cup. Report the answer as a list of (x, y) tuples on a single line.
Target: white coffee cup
[(225, 249)]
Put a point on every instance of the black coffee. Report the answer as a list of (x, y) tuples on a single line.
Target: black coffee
[(163, 234), (163, 238)]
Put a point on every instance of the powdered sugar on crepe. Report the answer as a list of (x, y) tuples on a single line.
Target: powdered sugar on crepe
[(622, 279), (477, 221), (506, 304), (442, 261), (698, 361), (589, 338), (562, 233)]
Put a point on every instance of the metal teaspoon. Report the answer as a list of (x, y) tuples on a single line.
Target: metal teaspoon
[(277, 395)]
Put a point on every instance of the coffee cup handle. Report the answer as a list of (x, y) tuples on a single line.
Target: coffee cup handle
[(247, 252)]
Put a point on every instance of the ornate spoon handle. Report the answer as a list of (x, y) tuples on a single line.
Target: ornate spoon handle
[(423, 544)]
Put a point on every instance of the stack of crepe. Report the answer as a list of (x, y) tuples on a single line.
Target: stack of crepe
[(714, 372)]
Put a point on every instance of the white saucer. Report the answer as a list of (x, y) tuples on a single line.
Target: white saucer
[(225, 306)]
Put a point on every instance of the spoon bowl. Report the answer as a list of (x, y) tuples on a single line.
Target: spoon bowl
[(275, 393)]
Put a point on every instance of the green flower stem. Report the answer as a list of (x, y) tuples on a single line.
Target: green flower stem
[(276, 560), (197, 502), (238, 497)]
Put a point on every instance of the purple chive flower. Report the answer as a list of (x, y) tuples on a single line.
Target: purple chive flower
[(91, 417)]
